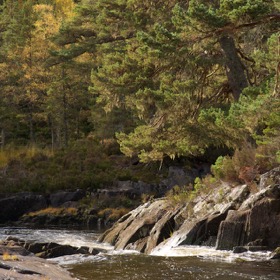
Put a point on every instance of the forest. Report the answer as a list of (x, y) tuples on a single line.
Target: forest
[(97, 90)]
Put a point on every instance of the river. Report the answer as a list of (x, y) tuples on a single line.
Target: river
[(184, 262)]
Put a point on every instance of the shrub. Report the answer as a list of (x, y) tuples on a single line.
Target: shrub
[(241, 167), (224, 169)]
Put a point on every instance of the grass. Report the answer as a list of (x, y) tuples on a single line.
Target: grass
[(55, 211), (8, 257), (112, 214), (22, 153)]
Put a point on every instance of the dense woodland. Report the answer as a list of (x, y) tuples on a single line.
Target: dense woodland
[(84, 82)]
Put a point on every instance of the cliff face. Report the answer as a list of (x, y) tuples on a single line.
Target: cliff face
[(225, 218)]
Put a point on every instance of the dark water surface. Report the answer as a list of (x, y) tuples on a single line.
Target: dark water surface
[(136, 267), (190, 263)]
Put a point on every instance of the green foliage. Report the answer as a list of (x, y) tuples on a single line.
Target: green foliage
[(152, 79), (224, 169), (241, 167), (178, 195), (187, 194)]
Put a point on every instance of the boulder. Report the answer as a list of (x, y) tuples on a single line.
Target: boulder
[(53, 250)]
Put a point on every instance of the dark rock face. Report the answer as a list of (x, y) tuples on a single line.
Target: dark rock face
[(256, 226), (232, 230), (180, 177), (205, 231), (263, 222), (13, 207), (59, 198)]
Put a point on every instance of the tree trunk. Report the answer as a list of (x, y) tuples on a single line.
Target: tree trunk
[(31, 127), (65, 119), (2, 139), (234, 68), (65, 107)]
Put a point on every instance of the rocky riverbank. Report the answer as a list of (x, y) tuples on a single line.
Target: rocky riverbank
[(225, 217), (31, 268), (21, 259), (83, 208), (17, 263)]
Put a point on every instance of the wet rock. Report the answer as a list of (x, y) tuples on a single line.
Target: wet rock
[(257, 242), (239, 249), (275, 254), (19, 263), (242, 249), (143, 228), (264, 217), (255, 226), (31, 267), (162, 230), (232, 230), (53, 250), (231, 215)]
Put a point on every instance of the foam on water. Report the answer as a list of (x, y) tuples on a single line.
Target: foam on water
[(77, 238), (79, 258), (211, 253)]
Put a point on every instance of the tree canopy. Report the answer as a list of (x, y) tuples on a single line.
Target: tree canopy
[(166, 78)]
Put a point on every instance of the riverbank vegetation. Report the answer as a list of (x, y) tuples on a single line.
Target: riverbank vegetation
[(97, 91)]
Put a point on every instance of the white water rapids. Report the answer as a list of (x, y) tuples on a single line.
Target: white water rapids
[(88, 238)]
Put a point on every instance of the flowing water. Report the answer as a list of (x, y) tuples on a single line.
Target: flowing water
[(183, 262)]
